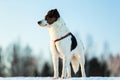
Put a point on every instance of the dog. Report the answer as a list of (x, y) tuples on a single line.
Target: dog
[(64, 45)]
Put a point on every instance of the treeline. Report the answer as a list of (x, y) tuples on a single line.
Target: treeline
[(16, 60)]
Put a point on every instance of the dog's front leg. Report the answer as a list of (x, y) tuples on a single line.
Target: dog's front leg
[(55, 65), (68, 71), (55, 59), (64, 69)]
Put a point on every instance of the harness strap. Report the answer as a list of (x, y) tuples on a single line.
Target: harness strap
[(63, 37)]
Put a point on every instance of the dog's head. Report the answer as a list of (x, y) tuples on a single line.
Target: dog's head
[(51, 17)]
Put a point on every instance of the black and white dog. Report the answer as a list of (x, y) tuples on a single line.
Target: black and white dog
[(63, 44)]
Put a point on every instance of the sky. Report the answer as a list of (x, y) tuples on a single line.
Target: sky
[(98, 18)]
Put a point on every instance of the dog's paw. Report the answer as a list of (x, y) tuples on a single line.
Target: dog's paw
[(84, 75), (68, 76), (54, 78), (63, 77)]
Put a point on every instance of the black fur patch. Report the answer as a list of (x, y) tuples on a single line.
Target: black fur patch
[(52, 16), (74, 42)]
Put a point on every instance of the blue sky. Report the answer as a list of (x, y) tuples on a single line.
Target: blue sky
[(99, 18)]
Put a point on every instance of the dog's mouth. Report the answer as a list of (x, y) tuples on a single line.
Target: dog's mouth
[(43, 25)]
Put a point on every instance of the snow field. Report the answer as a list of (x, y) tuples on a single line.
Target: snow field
[(51, 78)]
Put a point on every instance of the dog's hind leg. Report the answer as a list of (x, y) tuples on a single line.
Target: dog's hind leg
[(82, 69), (82, 65)]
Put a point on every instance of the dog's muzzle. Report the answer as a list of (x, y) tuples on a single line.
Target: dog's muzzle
[(39, 22), (42, 23)]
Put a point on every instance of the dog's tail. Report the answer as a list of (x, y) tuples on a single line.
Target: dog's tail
[(75, 63)]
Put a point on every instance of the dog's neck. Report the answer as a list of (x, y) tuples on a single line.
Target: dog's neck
[(58, 29)]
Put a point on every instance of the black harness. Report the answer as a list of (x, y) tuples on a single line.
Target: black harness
[(73, 40)]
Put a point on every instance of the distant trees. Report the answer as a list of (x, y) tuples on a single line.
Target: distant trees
[(0, 54), (95, 66), (1, 73), (106, 51), (17, 60), (90, 47), (25, 64)]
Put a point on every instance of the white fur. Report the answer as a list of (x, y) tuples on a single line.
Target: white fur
[(57, 30)]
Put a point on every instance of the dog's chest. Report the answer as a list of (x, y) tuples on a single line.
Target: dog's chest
[(66, 45)]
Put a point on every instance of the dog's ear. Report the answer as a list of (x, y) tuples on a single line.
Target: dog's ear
[(56, 13), (56, 10)]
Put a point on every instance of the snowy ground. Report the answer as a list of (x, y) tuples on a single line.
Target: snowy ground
[(50, 78)]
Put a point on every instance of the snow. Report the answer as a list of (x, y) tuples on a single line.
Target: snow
[(50, 78)]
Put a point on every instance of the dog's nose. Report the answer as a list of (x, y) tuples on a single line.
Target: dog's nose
[(39, 22)]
